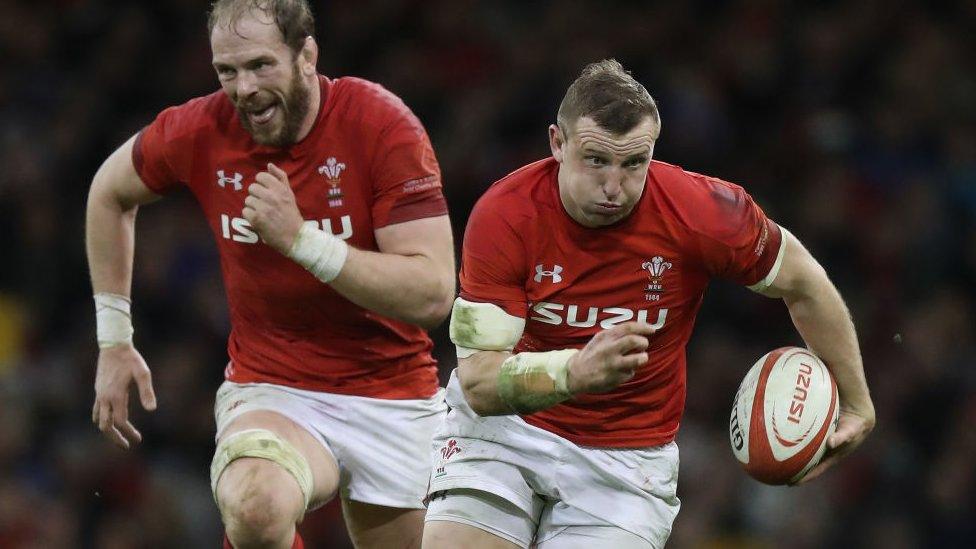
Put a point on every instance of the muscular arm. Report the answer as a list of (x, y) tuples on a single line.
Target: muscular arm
[(411, 278), (822, 319), (115, 196)]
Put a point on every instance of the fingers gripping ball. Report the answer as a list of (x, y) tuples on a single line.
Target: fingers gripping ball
[(784, 412), (261, 443)]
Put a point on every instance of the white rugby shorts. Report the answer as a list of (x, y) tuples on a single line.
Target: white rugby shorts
[(558, 487), (382, 446)]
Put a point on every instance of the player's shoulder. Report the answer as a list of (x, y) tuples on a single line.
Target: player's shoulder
[(211, 112), (368, 102), (521, 198), (525, 189), (701, 203), (680, 182)]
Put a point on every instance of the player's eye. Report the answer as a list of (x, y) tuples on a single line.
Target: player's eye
[(591, 160), (226, 72), (634, 163)]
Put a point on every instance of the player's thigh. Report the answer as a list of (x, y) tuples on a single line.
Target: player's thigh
[(465, 517), (594, 537), (242, 473), (377, 527), (442, 534)]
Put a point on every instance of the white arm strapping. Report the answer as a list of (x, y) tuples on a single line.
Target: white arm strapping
[(113, 320), (319, 252), (483, 327)]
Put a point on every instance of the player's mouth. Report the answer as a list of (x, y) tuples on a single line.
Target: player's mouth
[(260, 117), (608, 208)]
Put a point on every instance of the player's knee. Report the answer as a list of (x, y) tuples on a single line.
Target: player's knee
[(258, 509), (256, 459)]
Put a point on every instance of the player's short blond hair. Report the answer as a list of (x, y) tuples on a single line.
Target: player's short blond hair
[(292, 17), (608, 94)]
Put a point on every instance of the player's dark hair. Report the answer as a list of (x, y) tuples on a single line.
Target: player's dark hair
[(292, 17), (610, 96)]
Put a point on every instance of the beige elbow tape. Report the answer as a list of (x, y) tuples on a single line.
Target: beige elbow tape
[(529, 382), (261, 443), (483, 327)]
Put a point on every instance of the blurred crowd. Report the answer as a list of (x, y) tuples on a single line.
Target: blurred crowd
[(852, 123)]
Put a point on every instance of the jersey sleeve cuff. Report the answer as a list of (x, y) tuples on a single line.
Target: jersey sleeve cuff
[(767, 281)]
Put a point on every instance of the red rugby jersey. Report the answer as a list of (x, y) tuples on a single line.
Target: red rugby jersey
[(523, 252), (367, 163)]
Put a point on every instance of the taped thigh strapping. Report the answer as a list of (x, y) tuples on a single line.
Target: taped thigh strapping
[(263, 444)]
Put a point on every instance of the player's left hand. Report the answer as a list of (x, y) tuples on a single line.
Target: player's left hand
[(853, 427), (271, 210)]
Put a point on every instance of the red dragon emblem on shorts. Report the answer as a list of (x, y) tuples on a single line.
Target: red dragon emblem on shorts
[(450, 449)]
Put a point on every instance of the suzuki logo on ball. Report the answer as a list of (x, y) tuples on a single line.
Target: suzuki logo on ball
[(800, 393)]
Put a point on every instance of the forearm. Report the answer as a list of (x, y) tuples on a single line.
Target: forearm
[(502, 383), (478, 375), (824, 322), (409, 288)]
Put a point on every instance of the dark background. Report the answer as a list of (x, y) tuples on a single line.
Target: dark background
[(852, 124)]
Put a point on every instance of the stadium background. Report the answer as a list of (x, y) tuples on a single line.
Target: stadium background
[(853, 124)]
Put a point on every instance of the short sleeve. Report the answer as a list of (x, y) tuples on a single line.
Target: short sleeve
[(492, 262), (737, 241), (406, 176), (162, 153)]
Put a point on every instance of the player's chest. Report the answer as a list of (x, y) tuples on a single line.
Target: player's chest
[(599, 284), (332, 191)]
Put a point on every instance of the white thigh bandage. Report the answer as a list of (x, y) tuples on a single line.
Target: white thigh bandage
[(261, 443), (483, 327)]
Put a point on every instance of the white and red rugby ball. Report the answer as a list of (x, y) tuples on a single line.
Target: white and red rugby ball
[(783, 413)]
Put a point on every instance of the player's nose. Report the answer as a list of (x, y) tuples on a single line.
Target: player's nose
[(613, 184), (246, 84)]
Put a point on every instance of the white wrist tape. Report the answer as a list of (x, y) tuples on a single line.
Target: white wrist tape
[(113, 320), (319, 252)]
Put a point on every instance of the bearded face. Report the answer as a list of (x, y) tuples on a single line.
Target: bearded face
[(274, 117), (269, 84)]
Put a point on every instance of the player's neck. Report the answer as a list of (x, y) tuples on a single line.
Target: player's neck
[(315, 101)]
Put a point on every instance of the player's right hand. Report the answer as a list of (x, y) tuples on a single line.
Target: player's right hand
[(610, 358), (118, 367)]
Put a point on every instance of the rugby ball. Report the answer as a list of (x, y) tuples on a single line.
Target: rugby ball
[(784, 411)]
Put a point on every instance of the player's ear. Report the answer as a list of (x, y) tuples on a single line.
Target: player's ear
[(556, 142), (310, 56)]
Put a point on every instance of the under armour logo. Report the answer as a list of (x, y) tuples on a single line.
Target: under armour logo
[(554, 273), (237, 180)]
